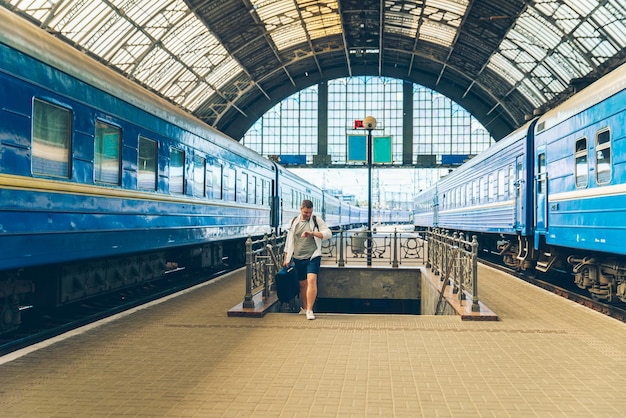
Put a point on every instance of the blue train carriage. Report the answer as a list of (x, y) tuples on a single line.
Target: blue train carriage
[(580, 179), (94, 167), (424, 208), (344, 214), (357, 216), (488, 196), (332, 212), (290, 192)]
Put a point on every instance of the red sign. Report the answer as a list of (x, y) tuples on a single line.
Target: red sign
[(358, 124)]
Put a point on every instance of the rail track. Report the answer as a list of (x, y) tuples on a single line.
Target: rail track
[(563, 285), (42, 324)]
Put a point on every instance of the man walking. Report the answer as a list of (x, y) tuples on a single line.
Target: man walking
[(304, 246)]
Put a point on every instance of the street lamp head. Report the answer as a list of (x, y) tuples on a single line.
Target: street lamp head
[(369, 122)]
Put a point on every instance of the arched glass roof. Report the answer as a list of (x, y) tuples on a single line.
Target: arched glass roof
[(227, 61)]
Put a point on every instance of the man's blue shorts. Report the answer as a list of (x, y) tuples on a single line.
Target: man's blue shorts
[(306, 266)]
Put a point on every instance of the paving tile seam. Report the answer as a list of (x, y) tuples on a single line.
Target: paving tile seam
[(616, 354), (368, 327)]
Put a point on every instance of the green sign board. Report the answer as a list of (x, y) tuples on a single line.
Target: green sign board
[(381, 149)]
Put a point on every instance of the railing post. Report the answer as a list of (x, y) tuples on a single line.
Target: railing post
[(395, 248), (267, 272), (462, 261), (475, 305), (443, 254), (247, 301), (341, 262), (428, 234), (455, 244)]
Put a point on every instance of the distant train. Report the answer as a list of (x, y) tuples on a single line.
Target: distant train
[(552, 194), (103, 185)]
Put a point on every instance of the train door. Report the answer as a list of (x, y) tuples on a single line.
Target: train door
[(519, 220), (541, 193)]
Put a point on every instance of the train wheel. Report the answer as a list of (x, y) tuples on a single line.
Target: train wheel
[(10, 317)]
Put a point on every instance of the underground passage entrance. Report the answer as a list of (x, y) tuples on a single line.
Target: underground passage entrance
[(370, 290), (368, 306)]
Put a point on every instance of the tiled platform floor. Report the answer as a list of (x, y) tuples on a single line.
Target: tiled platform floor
[(545, 357)]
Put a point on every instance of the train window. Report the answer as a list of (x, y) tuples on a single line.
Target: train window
[(582, 163), (501, 185), (493, 188), (107, 143), (52, 130), (541, 173), (603, 156), (259, 192), (475, 192), (266, 192), (462, 195), (242, 187), (482, 193), (214, 181), (251, 189), (177, 171), (229, 184), (147, 164), (199, 176), (511, 191)]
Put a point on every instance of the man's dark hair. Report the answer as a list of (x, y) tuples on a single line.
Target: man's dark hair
[(306, 203)]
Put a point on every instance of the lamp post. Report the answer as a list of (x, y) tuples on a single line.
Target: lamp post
[(370, 124)]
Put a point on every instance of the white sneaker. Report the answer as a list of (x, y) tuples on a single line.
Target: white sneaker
[(302, 311), (309, 315)]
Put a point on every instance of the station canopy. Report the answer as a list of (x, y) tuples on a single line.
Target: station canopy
[(229, 61)]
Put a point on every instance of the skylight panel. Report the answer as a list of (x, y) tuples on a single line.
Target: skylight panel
[(80, 22), (187, 36), (141, 12), (582, 7), (109, 38), (135, 47), (150, 70), (288, 35), (401, 23), (529, 89), (534, 30), (223, 73), (282, 21), (506, 69), (437, 33), (320, 18), (198, 95), (440, 19), (457, 7), (38, 9)]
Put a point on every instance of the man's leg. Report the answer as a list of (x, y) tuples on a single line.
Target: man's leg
[(311, 290), (303, 293)]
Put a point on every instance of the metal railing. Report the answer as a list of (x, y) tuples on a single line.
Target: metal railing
[(455, 260), (363, 246), (447, 255), (261, 266)]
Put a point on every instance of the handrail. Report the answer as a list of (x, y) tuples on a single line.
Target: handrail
[(361, 246), (456, 260), (261, 265)]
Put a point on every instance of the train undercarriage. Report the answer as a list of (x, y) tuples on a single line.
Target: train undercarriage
[(604, 277), (58, 285)]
